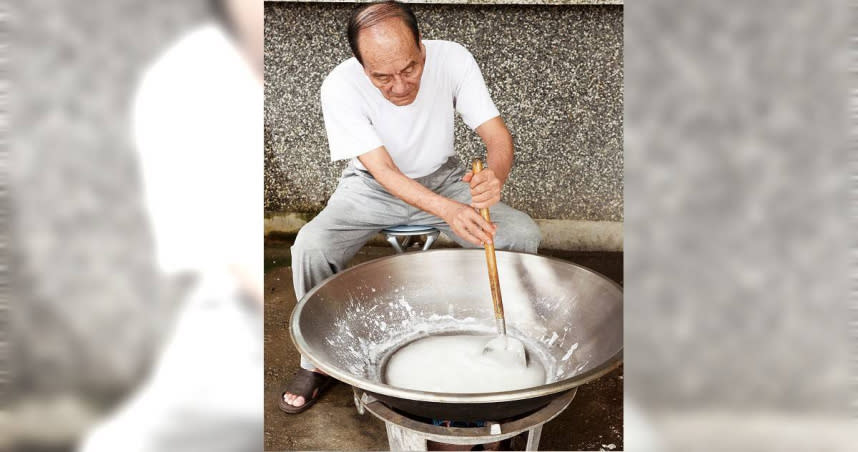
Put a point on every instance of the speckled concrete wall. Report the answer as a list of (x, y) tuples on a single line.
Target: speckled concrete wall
[(555, 73)]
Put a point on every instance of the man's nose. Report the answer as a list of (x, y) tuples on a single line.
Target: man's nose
[(399, 87)]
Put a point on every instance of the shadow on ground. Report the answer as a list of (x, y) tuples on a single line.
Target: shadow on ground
[(593, 421)]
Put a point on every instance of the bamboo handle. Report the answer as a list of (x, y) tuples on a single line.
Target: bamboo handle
[(491, 262)]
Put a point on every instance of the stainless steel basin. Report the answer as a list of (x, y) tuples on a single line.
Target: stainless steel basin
[(569, 318)]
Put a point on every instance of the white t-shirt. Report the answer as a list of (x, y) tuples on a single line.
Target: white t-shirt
[(418, 136), (198, 129)]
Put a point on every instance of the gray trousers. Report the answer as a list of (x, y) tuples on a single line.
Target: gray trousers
[(360, 208)]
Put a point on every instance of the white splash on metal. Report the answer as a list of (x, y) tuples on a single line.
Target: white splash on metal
[(554, 337), (570, 352), (367, 333)]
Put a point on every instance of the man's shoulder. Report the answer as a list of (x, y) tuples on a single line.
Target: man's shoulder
[(446, 48), (344, 75)]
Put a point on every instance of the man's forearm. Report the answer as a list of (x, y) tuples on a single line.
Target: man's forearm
[(412, 192), (463, 220), (499, 147)]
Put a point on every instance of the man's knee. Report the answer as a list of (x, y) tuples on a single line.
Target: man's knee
[(531, 236), (520, 233), (312, 236)]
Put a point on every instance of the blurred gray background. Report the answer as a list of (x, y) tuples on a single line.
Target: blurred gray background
[(737, 166), (89, 305), (736, 183), (737, 223)]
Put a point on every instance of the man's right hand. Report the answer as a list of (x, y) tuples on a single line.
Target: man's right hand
[(468, 224), (462, 218)]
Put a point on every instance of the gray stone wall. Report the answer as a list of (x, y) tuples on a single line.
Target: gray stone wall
[(555, 73)]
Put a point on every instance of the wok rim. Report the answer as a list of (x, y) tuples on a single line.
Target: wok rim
[(444, 397)]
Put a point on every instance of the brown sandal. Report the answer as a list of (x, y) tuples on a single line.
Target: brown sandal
[(304, 384)]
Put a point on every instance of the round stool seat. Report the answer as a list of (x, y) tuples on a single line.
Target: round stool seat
[(408, 231)]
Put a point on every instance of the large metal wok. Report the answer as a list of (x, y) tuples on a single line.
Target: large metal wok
[(569, 318)]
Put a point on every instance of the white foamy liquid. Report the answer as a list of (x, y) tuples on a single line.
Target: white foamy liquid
[(457, 364)]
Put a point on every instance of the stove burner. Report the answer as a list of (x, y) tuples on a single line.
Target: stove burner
[(460, 424), (407, 432)]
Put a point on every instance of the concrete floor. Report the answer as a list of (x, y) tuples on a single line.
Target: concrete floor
[(593, 421)]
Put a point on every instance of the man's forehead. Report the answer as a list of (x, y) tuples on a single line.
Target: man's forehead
[(386, 41), (389, 67), (388, 28)]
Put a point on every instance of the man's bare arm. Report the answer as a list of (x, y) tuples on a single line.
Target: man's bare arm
[(486, 186), (464, 221)]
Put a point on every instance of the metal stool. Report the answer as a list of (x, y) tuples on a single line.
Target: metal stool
[(393, 234)]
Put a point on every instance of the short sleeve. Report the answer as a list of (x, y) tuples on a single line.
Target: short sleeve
[(472, 97), (350, 131)]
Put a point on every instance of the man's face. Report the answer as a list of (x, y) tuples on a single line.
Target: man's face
[(392, 60)]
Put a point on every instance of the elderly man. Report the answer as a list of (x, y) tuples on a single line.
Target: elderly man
[(391, 109)]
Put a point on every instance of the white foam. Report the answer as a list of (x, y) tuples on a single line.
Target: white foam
[(457, 364)]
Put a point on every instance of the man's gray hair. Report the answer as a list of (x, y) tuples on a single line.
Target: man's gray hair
[(368, 15)]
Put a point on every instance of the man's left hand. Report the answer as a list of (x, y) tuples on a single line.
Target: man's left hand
[(485, 188)]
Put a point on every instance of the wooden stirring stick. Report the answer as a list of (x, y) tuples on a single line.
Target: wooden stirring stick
[(492, 263)]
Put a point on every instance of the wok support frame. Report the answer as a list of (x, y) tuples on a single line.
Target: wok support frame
[(405, 433)]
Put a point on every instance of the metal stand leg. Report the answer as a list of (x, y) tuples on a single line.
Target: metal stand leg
[(392, 240), (399, 438), (358, 403), (430, 239), (533, 436)]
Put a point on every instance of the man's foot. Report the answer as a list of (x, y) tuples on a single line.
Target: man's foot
[(303, 390)]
